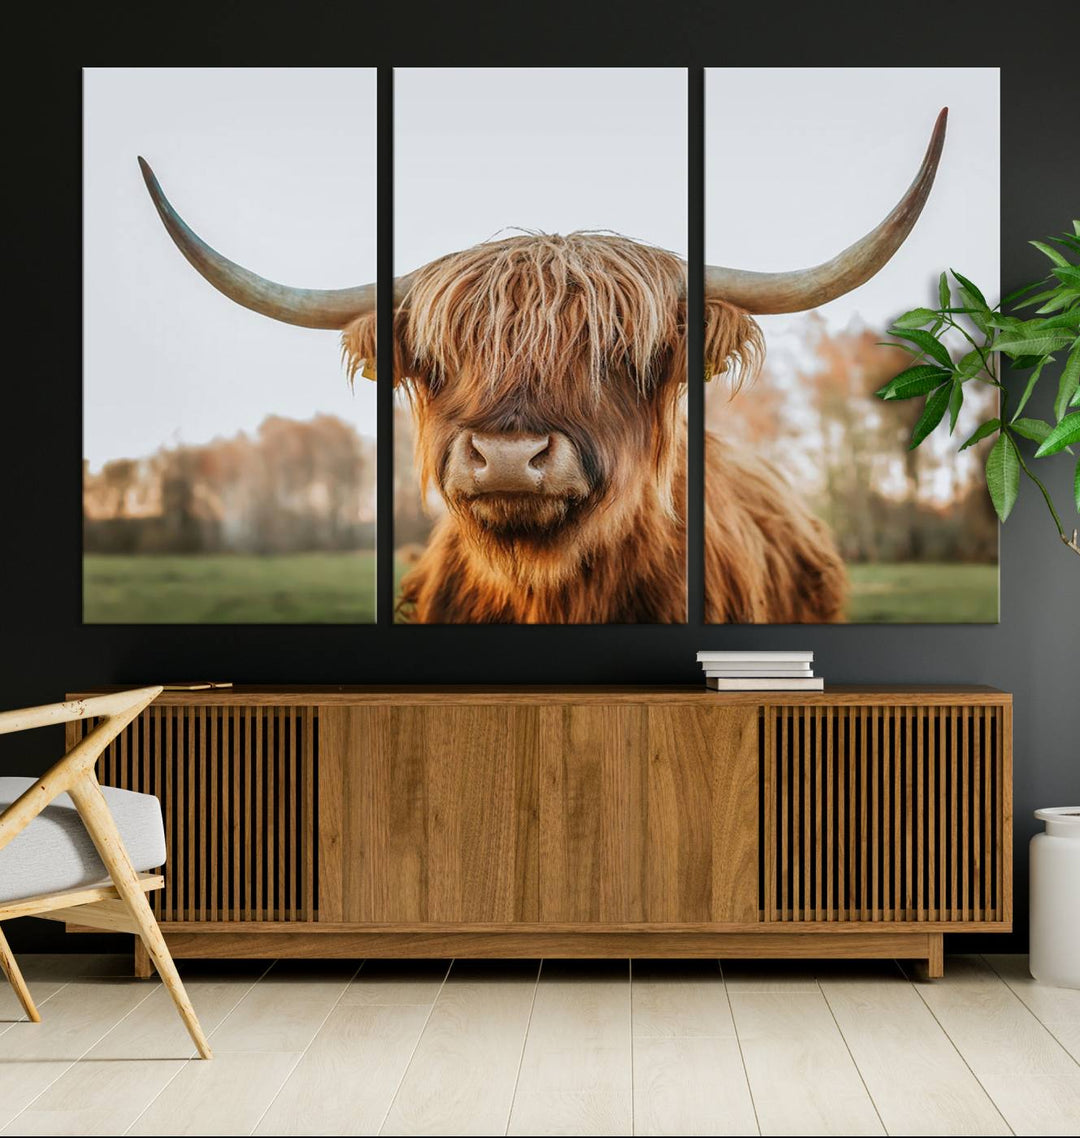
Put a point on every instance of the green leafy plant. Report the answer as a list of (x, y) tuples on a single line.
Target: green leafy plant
[(939, 373)]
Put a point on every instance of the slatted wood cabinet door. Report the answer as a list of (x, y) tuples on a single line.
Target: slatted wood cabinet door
[(239, 798), (887, 813)]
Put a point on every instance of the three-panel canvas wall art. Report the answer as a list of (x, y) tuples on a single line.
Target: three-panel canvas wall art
[(543, 344)]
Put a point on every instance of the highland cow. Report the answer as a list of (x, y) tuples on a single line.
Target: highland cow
[(546, 375)]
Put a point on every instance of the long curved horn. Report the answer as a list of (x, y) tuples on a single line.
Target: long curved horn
[(763, 293), (308, 307)]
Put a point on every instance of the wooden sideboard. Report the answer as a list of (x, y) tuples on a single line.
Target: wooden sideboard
[(576, 821)]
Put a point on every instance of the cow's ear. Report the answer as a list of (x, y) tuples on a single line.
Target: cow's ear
[(734, 347), (359, 347)]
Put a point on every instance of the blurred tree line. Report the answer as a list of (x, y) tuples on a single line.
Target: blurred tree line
[(291, 487), (813, 413)]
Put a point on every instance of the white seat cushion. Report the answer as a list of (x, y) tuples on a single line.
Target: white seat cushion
[(55, 852)]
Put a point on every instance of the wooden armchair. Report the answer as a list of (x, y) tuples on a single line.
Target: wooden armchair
[(54, 872)]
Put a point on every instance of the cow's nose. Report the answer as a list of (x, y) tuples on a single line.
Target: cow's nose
[(508, 463)]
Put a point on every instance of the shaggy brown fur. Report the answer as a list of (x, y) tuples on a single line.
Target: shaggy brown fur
[(767, 561), (585, 334)]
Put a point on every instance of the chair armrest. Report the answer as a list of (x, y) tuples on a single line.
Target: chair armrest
[(117, 711), (115, 703)]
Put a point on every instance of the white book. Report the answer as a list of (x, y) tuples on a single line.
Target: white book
[(758, 673), (756, 657), (756, 669), (783, 684)]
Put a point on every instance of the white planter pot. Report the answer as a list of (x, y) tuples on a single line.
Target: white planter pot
[(1055, 898)]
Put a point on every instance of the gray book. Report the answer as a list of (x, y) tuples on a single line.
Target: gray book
[(755, 657), (758, 673), (785, 683)]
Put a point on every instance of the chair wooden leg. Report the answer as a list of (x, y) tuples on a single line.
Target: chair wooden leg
[(15, 979), (106, 838)]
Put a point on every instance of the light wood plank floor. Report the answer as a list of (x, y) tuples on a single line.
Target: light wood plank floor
[(560, 1047)]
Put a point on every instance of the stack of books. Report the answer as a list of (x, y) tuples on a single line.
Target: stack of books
[(760, 671)]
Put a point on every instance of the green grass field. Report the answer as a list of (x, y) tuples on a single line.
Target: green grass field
[(909, 593), (339, 588), (923, 594), (302, 588)]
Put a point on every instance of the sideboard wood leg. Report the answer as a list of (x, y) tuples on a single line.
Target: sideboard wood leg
[(143, 968), (935, 964)]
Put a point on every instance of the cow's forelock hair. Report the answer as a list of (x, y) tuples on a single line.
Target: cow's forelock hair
[(537, 308)]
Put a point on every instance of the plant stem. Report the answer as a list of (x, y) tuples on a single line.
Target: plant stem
[(1049, 501), (986, 364)]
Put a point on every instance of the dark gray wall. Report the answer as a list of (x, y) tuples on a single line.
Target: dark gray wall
[(44, 650)]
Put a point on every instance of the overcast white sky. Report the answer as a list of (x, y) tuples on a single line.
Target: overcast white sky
[(801, 162), (275, 168), (478, 150)]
